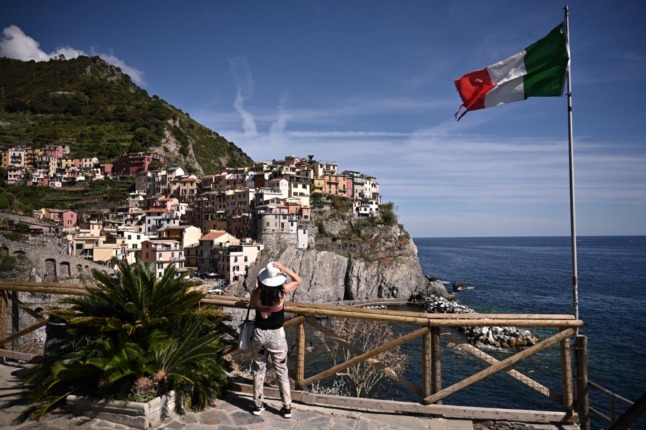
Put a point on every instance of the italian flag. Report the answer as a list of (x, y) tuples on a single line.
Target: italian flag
[(537, 71)]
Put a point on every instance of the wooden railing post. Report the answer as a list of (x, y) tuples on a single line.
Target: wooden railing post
[(300, 355), (4, 303), (583, 400), (566, 374), (426, 365), (15, 320), (436, 368)]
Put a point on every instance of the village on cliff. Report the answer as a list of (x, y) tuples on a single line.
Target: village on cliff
[(212, 226)]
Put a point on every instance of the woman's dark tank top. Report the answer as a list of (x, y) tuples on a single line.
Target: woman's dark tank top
[(273, 321)]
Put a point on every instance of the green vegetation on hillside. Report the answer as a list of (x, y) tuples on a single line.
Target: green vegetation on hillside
[(96, 110), (337, 229), (97, 194)]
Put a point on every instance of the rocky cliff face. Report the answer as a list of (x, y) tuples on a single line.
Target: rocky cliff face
[(346, 259)]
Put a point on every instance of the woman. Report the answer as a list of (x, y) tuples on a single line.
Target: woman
[(268, 339)]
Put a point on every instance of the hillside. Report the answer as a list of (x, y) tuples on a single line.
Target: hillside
[(97, 110)]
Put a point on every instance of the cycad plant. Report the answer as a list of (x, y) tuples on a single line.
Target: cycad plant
[(134, 337)]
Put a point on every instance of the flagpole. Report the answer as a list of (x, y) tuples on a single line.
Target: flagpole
[(575, 278)]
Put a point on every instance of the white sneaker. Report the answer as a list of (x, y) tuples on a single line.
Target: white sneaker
[(257, 410)]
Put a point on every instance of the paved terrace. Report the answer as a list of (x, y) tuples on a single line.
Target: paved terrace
[(234, 412)]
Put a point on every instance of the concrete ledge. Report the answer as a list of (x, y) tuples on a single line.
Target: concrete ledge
[(133, 414), (393, 407)]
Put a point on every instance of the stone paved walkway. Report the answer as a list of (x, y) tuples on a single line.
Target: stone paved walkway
[(232, 412)]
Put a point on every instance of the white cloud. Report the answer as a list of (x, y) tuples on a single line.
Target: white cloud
[(17, 45), (278, 126), (135, 74), (245, 87)]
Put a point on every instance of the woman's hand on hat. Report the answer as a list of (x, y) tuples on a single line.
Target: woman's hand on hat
[(280, 266)]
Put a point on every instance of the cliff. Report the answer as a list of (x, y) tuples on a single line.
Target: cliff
[(346, 259)]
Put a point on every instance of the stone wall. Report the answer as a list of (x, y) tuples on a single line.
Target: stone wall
[(47, 261), (48, 256)]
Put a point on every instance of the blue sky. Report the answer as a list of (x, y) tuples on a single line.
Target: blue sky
[(369, 84)]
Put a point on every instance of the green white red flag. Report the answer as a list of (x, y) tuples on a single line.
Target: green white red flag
[(537, 71)]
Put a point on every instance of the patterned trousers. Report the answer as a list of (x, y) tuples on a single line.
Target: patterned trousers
[(266, 343)]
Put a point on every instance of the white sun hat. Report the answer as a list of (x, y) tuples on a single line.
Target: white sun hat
[(270, 276)]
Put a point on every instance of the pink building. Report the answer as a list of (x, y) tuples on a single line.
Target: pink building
[(64, 217), (55, 151), (130, 164), (296, 209), (69, 219), (348, 186), (161, 253)]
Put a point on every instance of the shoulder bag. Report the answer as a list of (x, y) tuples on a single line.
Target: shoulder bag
[(245, 331)]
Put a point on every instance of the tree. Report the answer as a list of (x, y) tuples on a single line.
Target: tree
[(134, 337), (388, 215), (362, 379)]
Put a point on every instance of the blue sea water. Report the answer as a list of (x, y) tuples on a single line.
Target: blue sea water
[(534, 275)]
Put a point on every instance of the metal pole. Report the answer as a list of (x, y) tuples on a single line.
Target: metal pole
[(575, 278)]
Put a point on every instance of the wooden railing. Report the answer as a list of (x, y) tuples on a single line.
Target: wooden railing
[(428, 327)]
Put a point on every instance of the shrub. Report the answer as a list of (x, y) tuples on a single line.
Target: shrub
[(135, 337), (320, 225), (362, 379), (388, 215), (341, 204)]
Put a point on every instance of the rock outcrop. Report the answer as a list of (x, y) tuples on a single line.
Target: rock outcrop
[(498, 337), (346, 259)]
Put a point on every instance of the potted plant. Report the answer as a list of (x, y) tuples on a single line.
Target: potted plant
[(134, 337)]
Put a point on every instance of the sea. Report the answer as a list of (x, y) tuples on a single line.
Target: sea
[(533, 275)]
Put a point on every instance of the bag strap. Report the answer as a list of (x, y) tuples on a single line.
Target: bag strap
[(248, 311)]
